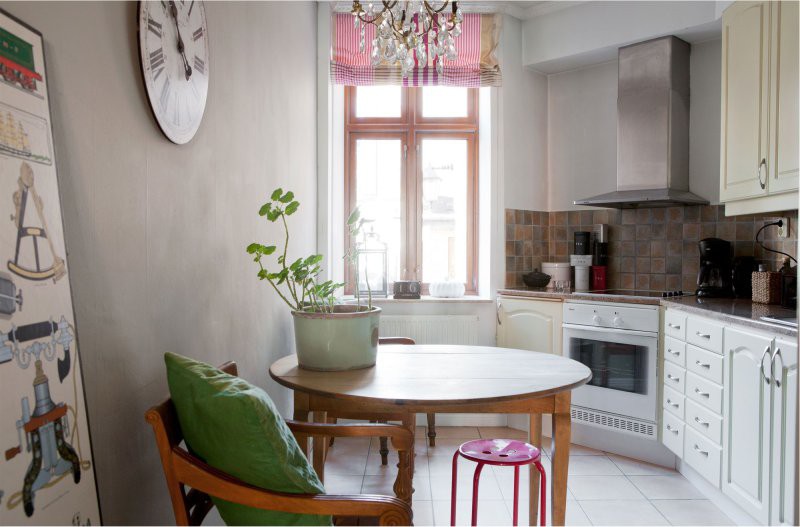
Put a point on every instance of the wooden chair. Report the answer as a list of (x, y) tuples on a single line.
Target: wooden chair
[(382, 418), (183, 470)]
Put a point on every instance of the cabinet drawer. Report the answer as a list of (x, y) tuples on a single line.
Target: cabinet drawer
[(704, 363), (704, 392), (674, 401), (672, 430), (674, 376), (675, 324), (704, 333), (704, 421), (675, 351), (703, 456)]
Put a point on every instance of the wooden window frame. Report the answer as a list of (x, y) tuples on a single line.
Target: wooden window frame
[(411, 128)]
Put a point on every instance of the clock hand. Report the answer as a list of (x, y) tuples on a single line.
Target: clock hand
[(181, 48)]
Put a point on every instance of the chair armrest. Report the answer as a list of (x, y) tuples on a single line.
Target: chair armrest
[(402, 439), (206, 479)]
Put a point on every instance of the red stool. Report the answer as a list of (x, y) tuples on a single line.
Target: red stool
[(501, 452)]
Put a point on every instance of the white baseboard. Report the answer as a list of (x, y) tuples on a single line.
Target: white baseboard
[(715, 496)]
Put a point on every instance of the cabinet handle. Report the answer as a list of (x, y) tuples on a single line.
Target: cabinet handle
[(702, 364), (499, 306), (673, 326), (700, 422), (672, 430), (676, 353), (763, 163), (772, 367), (761, 365), (701, 394), (674, 405), (670, 377), (703, 335), (704, 452)]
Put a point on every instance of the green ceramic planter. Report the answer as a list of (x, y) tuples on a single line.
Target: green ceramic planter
[(346, 339)]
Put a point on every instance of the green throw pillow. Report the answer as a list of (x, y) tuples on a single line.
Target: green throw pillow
[(234, 427)]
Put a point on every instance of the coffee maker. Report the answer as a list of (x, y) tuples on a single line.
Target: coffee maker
[(716, 268)]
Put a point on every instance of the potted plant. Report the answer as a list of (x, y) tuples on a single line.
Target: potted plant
[(329, 336)]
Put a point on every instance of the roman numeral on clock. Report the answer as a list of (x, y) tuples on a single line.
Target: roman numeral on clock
[(197, 35), (157, 58), (154, 27), (164, 97), (199, 64)]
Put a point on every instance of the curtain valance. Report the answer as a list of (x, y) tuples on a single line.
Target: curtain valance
[(475, 66)]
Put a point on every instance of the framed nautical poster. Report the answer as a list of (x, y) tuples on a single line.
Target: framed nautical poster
[(46, 468)]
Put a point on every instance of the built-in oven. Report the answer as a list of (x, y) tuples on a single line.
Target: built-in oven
[(619, 344)]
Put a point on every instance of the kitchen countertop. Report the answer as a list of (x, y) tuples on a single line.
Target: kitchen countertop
[(738, 311)]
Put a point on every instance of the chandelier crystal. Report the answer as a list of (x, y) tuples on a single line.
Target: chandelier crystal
[(408, 31)]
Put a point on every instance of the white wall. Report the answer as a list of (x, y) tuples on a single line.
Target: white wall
[(582, 129), (156, 232), (522, 138)]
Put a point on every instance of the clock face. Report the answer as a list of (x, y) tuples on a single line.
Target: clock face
[(173, 47)]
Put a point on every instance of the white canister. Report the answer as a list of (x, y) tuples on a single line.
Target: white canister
[(581, 278), (558, 271)]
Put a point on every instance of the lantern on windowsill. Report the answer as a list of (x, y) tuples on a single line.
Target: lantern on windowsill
[(372, 266)]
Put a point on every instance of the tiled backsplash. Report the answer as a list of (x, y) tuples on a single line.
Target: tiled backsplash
[(652, 248)]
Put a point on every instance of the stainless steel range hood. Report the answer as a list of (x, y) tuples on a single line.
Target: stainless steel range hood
[(652, 128)]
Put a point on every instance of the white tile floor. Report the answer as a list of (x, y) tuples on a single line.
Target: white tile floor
[(604, 489)]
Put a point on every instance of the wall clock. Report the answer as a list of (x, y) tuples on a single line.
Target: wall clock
[(173, 50)]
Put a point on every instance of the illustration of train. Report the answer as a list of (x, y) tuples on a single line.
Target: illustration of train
[(16, 61)]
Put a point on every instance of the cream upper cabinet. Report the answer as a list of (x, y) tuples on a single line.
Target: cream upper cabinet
[(784, 139), (759, 154), (529, 324), (745, 101)]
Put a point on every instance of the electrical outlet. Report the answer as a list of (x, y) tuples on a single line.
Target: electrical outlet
[(783, 230)]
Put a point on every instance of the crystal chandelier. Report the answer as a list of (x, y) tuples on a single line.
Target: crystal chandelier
[(407, 31)]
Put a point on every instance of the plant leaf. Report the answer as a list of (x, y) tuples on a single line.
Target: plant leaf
[(286, 198), (291, 208), (276, 194)]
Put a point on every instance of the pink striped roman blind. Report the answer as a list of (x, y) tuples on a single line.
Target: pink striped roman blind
[(475, 66)]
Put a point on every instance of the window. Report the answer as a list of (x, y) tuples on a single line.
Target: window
[(411, 166)]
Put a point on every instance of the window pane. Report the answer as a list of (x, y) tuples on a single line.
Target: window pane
[(444, 101), (378, 101), (378, 186), (444, 209)]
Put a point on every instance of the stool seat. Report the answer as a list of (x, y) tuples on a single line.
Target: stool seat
[(503, 452)]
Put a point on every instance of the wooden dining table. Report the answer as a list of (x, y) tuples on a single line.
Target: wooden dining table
[(407, 380)]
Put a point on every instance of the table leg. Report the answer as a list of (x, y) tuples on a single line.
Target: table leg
[(320, 444), (403, 484), (535, 438), (562, 424), (301, 405)]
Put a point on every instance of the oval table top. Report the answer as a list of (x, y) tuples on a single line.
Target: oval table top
[(440, 374)]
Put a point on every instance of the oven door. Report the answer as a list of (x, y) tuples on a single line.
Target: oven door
[(623, 364)]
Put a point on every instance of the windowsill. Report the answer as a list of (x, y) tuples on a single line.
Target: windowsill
[(469, 299)]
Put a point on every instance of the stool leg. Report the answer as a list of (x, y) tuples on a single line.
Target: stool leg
[(475, 479), (516, 495), (454, 484), (543, 490)]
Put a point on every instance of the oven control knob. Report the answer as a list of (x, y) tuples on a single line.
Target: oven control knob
[(617, 321), (596, 319)]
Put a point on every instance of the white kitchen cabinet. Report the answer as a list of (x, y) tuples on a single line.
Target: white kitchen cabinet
[(784, 141), (784, 432), (759, 153), (746, 414), (745, 100), (529, 323)]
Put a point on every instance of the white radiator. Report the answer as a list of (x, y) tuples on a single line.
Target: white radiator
[(437, 329)]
